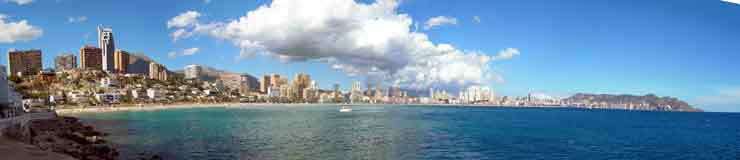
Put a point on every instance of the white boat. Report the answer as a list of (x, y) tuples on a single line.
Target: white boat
[(345, 109)]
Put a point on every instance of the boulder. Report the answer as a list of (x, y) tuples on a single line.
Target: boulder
[(65, 135)]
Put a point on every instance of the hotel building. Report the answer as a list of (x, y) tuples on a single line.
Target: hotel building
[(90, 57), (24, 62)]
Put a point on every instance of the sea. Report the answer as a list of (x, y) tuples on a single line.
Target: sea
[(409, 132)]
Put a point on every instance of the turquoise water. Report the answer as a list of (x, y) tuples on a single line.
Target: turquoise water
[(420, 132)]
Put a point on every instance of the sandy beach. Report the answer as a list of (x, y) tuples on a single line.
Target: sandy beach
[(152, 107)]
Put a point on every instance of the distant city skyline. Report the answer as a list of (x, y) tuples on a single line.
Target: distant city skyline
[(681, 48)]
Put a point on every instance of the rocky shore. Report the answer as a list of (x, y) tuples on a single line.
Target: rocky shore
[(66, 135)]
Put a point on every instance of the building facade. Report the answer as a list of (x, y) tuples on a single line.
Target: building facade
[(301, 81), (243, 83), (264, 83), (65, 62), (276, 81), (193, 71), (121, 60), (157, 71), (91, 57), (107, 46), (24, 62)]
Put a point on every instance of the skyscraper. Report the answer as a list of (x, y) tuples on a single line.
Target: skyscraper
[(356, 86), (107, 45), (121, 59), (243, 83), (264, 83), (157, 71), (193, 71), (90, 57), (65, 62), (300, 82), (276, 81), (26, 62)]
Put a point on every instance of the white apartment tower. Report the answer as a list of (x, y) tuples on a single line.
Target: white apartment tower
[(193, 71), (356, 86), (106, 44)]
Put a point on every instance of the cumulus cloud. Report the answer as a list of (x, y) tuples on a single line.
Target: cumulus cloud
[(370, 40), (11, 32), (476, 19), (180, 34), (185, 52), (190, 51), (507, 53), (183, 20), (19, 2), (78, 19), (439, 21), (732, 1)]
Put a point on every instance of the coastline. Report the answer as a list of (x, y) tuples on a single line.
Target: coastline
[(139, 107), (155, 107), (73, 110)]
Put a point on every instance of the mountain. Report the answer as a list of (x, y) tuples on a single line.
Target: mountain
[(646, 102), (139, 64)]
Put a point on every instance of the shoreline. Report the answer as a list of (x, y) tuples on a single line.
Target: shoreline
[(154, 107)]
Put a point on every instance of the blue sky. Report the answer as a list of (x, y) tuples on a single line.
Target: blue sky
[(683, 48)]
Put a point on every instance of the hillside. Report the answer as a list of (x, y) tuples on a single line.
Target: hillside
[(646, 102)]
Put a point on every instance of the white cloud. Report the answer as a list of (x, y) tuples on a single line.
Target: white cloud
[(185, 52), (476, 19), (190, 51), (184, 19), (367, 40), (732, 1), (439, 21), (11, 32), (206, 1), (172, 54), (78, 19), (507, 53), (180, 34), (20, 2)]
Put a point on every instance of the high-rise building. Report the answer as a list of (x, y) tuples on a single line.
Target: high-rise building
[(277, 81), (244, 83), (395, 91), (25, 62), (107, 46), (356, 86), (157, 71), (265, 83), (193, 71), (91, 57), (121, 59), (431, 93), (336, 87), (65, 62), (314, 84), (300, 82)]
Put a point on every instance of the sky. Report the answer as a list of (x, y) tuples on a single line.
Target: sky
[(683, 48)]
